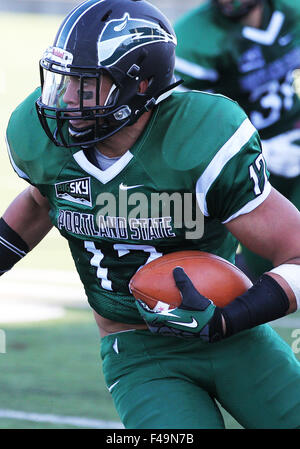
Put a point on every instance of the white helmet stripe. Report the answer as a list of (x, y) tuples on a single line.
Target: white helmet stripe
[(66, 31)]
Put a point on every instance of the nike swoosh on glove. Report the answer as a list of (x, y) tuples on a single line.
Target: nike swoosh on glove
[(197, 316)]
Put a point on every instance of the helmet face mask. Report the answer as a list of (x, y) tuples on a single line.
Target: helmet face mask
[(236, 9), (87, 117), (124, 41)]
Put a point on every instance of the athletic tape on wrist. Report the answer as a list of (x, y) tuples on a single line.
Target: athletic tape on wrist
[(291, 273)]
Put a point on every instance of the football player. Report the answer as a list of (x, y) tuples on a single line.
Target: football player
[(248, 50), (105, 132)]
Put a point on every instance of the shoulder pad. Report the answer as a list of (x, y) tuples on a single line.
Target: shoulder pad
[(31, 150), (200, 124)]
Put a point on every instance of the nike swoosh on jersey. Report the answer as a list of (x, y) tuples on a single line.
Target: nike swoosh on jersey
[(124, 187), (192, 325)]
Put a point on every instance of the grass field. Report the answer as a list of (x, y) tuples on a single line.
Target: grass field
[(53, 368), (50, 374)]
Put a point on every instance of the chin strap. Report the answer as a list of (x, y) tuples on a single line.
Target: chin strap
[(162, 95), (165, 93)]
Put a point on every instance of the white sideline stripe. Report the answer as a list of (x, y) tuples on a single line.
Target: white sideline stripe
[(57, 419), (48, 285), (14, 312), (42, 291), (45, 275)]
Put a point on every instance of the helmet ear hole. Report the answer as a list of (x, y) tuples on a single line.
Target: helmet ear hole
[(143, 86), (149, 84)]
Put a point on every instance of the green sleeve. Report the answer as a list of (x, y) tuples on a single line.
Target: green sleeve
[(33, 156), (24, 137), (236, 181), (16, 162)]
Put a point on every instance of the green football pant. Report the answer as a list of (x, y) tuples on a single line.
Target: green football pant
[(290, 188), (169, 383)]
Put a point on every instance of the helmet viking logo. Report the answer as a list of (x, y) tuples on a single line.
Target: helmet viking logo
[(121, 36)]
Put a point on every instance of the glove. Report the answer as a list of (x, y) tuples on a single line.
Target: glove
[(196, 316)]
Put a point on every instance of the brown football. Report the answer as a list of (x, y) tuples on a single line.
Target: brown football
[(214, 277)]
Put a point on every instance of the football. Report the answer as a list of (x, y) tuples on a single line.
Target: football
[(214, 277)]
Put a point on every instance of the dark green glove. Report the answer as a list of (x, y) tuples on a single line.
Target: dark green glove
[(196, 316)]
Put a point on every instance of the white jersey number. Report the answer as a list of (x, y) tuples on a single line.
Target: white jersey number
[(254, 173), (121, 250), (274, 98)]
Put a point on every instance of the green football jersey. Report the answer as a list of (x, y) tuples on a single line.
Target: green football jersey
[(252, 66), (197, 165)]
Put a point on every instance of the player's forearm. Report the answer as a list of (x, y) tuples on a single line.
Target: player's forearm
[(271, 297), (23, 225), (265, 301), (28, 216), (272, 231)]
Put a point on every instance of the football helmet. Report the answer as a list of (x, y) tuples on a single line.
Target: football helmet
[(127, 40), (236, 9)]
